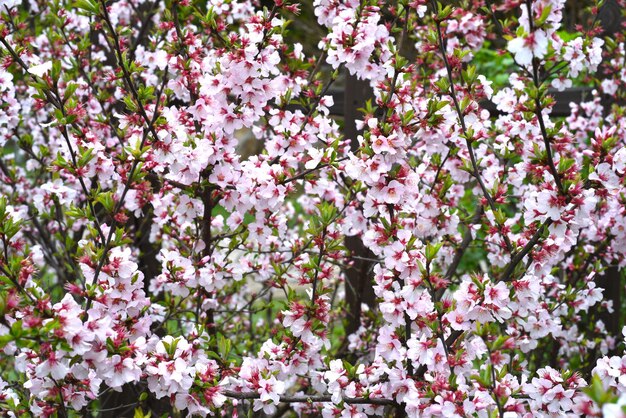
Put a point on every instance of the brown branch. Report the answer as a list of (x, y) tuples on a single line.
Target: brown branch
[(538, 109), (458, 254), (57, 102), (507, 275), (311, 398), (470, 150), (309, 171), (150, 128)]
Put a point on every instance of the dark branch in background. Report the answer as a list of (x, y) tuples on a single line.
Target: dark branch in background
[(496, 22), (146, 23), (266, 32), (460, 251), (207, 216)]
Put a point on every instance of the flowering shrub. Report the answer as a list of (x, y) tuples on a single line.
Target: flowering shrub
[(144, 252)]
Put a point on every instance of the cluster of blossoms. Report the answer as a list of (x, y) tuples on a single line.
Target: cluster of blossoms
[(186, 224)]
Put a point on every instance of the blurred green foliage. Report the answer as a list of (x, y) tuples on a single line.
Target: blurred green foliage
[(496, 67)]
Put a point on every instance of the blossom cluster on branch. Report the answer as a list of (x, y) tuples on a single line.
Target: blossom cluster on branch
[(145, 250)]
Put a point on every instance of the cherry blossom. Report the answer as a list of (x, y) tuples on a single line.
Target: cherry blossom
[(187, 217)]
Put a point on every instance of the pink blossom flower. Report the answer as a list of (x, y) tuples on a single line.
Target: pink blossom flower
[(532, 45)]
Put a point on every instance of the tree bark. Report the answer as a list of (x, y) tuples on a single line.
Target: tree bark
[(359, 287)]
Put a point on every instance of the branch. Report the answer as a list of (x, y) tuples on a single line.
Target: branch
[(448, 343), (436, 179), (150, 128), (311, 398), (319, 266), (57, 102), (507, 275), (309, 171), (467, 240), (461, 118), (539, 114)]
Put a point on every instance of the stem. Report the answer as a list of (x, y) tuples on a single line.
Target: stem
[(309, 171)]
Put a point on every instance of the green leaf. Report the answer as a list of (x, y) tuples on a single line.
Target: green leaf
[(16, 329), (130, 104), (139, 413), (432, 250), (545, 13), (223, 346), (87, 6), (597, 392), (107, 200), (444, 12), (70, 90)]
